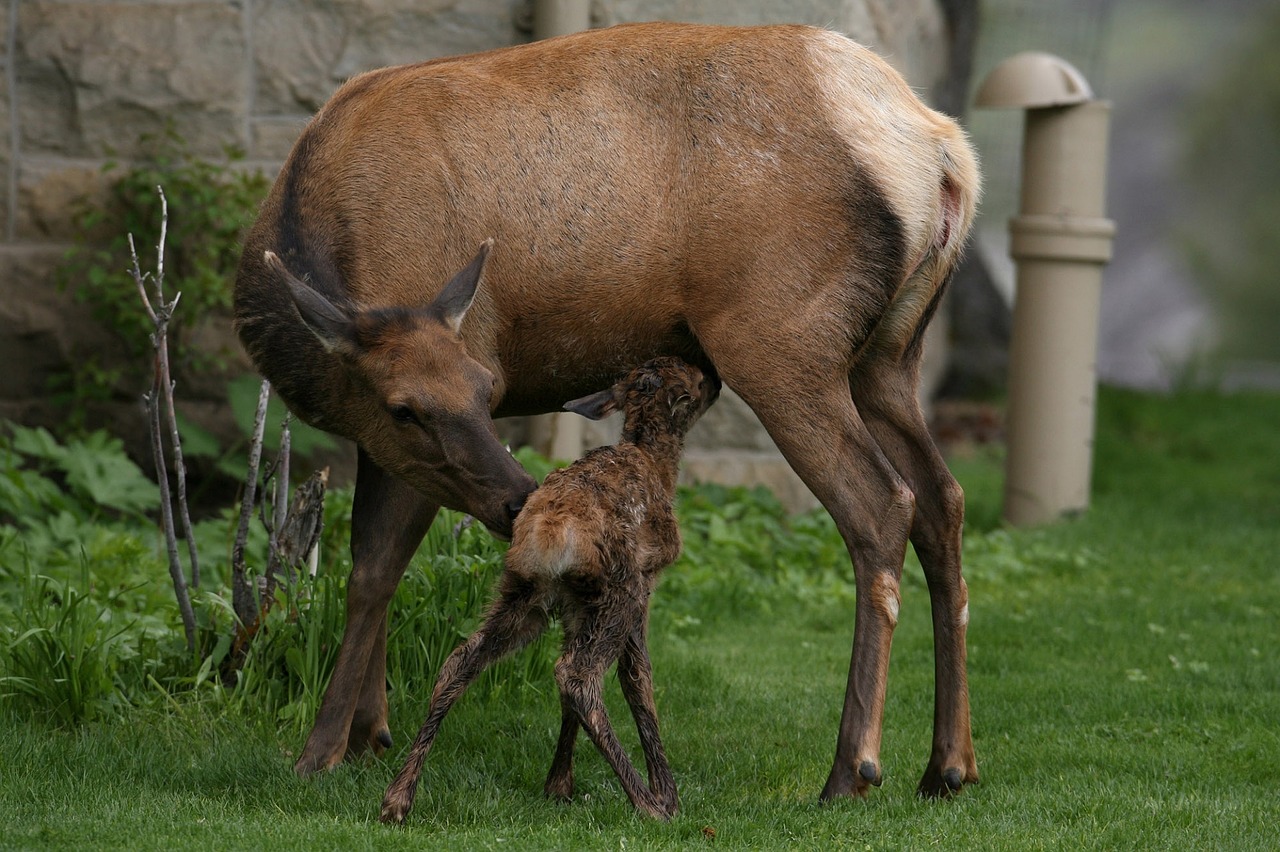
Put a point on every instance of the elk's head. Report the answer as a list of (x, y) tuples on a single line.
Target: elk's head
[(422, 406)]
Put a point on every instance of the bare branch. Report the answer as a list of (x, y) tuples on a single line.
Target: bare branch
[(161, 395), (243, 596), (164, 232), (280, 508), (139, 278)]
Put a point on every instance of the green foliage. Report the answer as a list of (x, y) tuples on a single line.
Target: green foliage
[(1122, 675), (73, 656), (84, 476), (743, 555), (210, 203), (89, 628), (1230, 166), (86, 619)]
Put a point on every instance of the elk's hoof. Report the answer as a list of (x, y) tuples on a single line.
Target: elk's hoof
[(311, 763), (869, 772), (844, 783), (560, 788), (943, 783), (371, 738)]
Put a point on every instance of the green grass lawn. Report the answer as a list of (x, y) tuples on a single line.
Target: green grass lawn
[(1124, 677)]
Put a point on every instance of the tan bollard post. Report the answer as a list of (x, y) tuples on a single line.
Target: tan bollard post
[(560, 17), (1060, 241)]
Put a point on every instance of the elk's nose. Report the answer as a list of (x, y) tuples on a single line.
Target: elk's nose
[(514, 505)]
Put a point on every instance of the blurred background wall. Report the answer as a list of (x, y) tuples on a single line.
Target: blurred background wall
[(1192, 293), (88, 84), (1195, 186)]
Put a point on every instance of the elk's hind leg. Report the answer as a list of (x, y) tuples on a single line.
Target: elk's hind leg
[(803, 400), (885, 392)]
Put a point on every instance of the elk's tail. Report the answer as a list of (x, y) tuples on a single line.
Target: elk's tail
[(901, 330)]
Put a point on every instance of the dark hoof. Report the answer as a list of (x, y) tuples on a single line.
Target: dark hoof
[(844, 783), (870, 773), (945, 783), (384, 738)]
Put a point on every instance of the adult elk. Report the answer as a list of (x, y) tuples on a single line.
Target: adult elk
[(772, 203)]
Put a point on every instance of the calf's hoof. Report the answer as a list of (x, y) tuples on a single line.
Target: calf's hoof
[(394, 811)]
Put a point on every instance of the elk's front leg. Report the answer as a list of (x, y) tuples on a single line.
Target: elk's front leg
[(388, 522)]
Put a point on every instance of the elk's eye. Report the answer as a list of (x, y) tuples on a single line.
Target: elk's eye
[(402, 414)]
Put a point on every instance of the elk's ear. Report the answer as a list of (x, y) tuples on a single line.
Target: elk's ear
[(331, 325), (597, 406), (456, 297)]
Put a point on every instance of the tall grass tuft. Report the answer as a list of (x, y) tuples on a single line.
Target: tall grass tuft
[(63, 654)]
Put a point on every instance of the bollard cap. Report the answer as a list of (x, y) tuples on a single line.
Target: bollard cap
[(1032, 80)]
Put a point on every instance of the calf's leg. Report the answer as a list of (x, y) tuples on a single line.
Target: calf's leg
[(635, 675), (580, 677), (559, 783), (514, 621)]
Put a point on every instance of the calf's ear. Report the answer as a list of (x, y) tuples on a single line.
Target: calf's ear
[(597, 406)]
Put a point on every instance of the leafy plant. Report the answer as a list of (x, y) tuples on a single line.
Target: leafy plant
[(85, 476), (62, 653), (211, 202), (1233, 124)]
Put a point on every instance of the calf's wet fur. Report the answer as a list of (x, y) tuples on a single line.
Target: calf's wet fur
[(588, 547)]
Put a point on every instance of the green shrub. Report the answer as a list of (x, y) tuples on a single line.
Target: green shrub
[(210, 203), (1229, 167)]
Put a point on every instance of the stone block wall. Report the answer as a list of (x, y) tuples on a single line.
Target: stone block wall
[(81, 82)]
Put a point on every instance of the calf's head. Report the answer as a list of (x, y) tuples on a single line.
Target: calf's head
[(421, 406), (663, 396)]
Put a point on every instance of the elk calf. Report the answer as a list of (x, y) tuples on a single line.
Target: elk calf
[(588, 547)]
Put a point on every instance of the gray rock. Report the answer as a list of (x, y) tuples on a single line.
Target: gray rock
[(92, 78)]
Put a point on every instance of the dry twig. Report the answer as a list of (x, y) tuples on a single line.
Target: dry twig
[(243, 597), (160, 408)]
